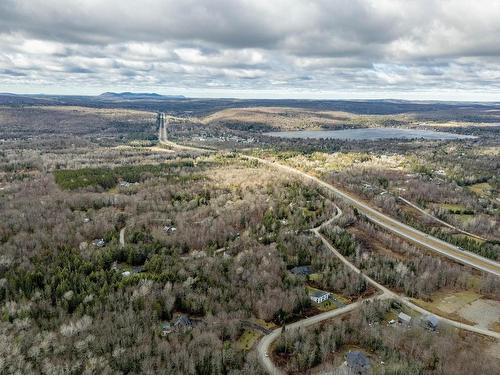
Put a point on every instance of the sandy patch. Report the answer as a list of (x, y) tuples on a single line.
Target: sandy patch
[(454, 302), (468, 307), (484, 312)]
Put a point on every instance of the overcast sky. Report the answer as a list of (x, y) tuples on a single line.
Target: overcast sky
[(415, 49)]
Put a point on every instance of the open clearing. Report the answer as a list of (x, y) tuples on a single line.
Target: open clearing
[(468, 307), (481, 189), (248, 339)]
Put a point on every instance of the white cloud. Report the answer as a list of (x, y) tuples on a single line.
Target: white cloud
[(294, 44)]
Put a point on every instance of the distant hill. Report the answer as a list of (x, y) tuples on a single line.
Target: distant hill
[(137, 95)]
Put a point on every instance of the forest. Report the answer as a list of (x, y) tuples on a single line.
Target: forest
[(107, 239)]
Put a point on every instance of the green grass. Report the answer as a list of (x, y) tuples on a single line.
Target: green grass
[(452, 207), (327, 306), (481, 189), (463, 218), (315, 277), (267, 325), (247, 339)]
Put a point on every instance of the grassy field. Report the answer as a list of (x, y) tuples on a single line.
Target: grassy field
[(452, 207), (247, 339), (482, 189), (267, 325)]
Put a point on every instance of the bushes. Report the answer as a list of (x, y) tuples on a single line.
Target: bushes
[(487, 249), (75, 179), (341, 239), (107, 178)]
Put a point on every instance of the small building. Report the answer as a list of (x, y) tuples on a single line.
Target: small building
[(99, 242), (301, 270), (183, 322), (431, 322), (358, 362), (169, 229), (404, 318), (166, 328), (319, 296)]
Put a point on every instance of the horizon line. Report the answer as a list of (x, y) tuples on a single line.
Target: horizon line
[(279, 97)]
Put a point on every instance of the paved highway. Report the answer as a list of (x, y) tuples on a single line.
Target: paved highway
[(396, 227), (163, 139), (383, 220), (439, 220)]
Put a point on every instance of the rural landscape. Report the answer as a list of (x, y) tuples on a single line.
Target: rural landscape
[(138, 239), (226, 187)]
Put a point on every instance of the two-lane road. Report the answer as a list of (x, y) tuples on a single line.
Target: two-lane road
[(394, 226), (265, 343)]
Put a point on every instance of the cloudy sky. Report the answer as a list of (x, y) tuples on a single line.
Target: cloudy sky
[(415, 49)]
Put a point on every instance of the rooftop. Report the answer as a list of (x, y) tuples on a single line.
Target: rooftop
[(404, 317), (358, 361), (301, 270), (318, 293), (431, 320)]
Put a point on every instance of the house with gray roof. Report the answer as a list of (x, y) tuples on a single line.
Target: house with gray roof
[(183, 322), (404, 318), (358, 362), (301, 270), (431, 322)]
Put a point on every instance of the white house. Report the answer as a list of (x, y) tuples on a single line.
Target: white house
[(319, 296), (404, 318)]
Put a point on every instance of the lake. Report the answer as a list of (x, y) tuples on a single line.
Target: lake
[(370, 134)]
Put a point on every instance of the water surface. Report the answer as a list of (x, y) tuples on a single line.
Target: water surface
[(370, 134)]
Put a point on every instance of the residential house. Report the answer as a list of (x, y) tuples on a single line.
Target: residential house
[(404, 318), (319, 296), (169, 229), (301, 270), (166, 328), (183, 322), (431, 322), (99, 242), (358, 362)]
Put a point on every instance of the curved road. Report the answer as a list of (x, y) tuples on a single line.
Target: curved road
[(122, 237), (263, 348), (396, 227), (381, 219), (266, 341), (404, 300)]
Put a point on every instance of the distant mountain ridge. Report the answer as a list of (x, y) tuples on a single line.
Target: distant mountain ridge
[(136, 95)]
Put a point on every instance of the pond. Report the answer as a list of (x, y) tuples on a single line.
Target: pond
[(370, 134)]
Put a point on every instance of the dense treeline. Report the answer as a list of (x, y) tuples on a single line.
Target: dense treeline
[(58, 290), (107, 178), (399, 265), (210, 237), (488, 249)]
